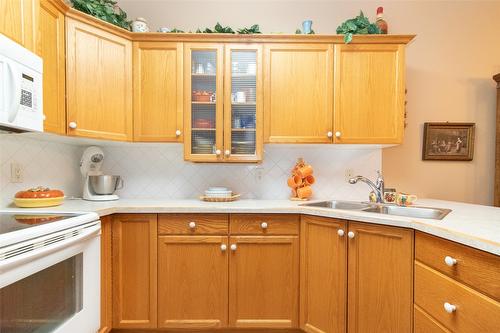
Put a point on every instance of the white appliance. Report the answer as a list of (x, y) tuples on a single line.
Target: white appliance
[(21, 104), (90, 166), (49, 272)]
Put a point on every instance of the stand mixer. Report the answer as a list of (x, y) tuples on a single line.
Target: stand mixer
[(97, 186)]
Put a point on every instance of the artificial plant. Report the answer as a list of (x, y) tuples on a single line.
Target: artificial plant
[(106, 10), (358, 25)]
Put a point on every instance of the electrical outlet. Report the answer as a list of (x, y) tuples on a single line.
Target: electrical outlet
[(258, 173), (349, 173), (16, 173)]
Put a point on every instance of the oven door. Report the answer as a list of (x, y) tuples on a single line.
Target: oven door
[(55, 288)]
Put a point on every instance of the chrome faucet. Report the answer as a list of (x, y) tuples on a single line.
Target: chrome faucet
[(378, 186)]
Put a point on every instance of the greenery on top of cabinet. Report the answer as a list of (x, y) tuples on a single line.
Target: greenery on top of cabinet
[(106, 10), (358, 25)]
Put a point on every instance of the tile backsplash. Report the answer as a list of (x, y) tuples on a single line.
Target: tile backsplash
[(158, 171)]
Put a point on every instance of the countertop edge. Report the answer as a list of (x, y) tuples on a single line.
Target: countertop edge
[(427, 226)]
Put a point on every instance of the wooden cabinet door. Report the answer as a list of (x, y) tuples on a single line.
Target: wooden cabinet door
[(203, 98), (192, 281), (134, 270), (158, 93), (298, 93), (99, 83), (19, 21), (243, 103), (323, 275), (369, 93), (380, 278), (51, 47), (263, 281), (106, 276)]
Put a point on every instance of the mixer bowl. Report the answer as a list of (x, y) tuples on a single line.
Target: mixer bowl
[(105, 184)]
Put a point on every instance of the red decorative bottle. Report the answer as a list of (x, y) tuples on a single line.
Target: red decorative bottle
[(381, 23)]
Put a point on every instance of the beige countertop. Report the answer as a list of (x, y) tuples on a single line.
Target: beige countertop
[(473, 225)]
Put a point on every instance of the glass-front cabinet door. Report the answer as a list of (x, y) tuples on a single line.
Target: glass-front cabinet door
[(204, 102), (223, 102), (243, 103)]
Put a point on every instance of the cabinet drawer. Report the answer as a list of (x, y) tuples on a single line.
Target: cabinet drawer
[(474, 312), (264, 224), (192, 224), (424, 323), (478, 269)]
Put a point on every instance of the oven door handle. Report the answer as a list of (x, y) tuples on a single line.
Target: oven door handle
[(17, 260)]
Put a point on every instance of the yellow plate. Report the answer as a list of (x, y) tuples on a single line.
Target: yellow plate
[(37, 203)]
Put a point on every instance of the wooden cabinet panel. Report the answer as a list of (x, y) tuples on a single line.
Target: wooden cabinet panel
[(18, 21), (474, 311), (99, 83), (134, 270), (323, 275), (264, 281), (192, 281), (424, 323), (182, 224), (264, 224), (480, 270), (369, 93), (298, 93), (158, 95), (106, 275), (51, 47), (380, 279)]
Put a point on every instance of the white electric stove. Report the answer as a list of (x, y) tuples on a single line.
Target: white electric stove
[(49, 272)]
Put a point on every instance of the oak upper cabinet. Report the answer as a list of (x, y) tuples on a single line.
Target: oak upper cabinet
[(223, 102), (192, 281), (298, 93), (99, 83), (323, 275), (243, 103), (134, 270), (51, 47), (203, 108), (380, 278), (158, 91), (264, 272), (18, 21), (369, 93)]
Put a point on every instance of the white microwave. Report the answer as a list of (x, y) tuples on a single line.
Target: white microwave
[(21, 96)]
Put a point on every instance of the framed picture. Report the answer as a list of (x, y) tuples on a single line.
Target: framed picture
[(448, 141)]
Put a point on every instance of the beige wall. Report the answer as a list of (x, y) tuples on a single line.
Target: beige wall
[(449, 70)]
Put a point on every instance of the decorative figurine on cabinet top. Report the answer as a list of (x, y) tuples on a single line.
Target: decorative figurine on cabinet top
[(301, 180)]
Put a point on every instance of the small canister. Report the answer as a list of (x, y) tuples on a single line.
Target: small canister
[(140, 25)]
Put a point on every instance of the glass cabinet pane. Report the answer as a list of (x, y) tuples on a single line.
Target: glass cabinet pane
[(243, 102), (203, 101)]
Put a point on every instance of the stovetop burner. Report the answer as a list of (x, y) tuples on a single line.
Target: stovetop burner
[(10, 222)]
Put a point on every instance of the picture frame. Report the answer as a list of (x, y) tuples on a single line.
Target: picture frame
[(448, 141)]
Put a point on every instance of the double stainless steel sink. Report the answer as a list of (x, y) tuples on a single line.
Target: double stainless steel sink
[(389, 209)]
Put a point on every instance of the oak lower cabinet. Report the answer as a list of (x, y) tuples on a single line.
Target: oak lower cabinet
[(158, 86), (369, 85), (264, 281), (323, 275), (52, 48), (18, 21), (192, 281), (99, 82), (298, 93), (380, 278), (134, 270), (360, 268)]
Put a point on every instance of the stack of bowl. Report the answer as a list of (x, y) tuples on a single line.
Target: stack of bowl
[(218, 192)]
